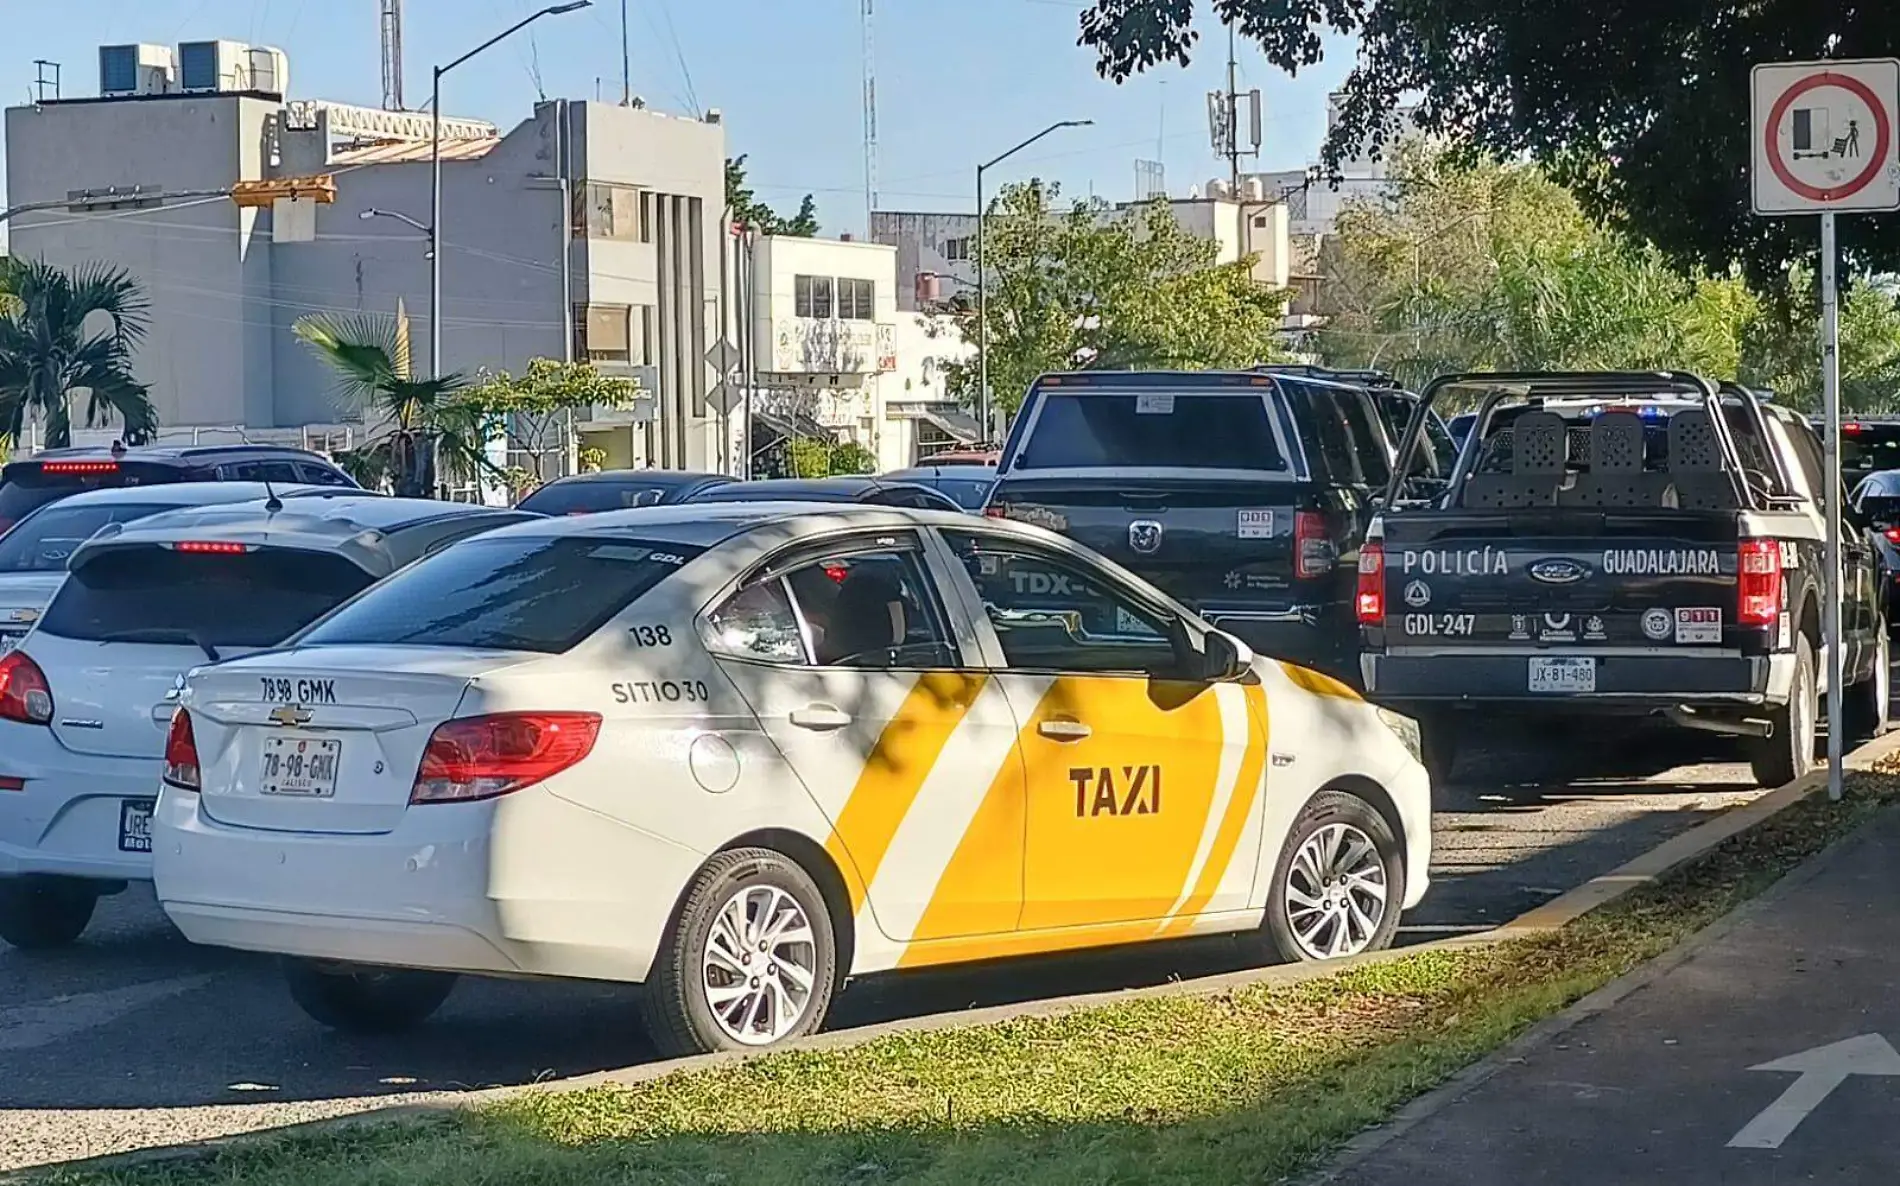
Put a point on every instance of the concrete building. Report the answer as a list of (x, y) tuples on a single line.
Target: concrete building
[(587, 231), (835, 354), (936, 252)]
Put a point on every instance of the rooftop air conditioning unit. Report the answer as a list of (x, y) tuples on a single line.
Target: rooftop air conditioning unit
[(270, 70), (135, 70), (214, 66)]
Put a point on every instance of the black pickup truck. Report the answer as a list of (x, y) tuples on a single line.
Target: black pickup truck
[(1619, 543), (1245, 494)]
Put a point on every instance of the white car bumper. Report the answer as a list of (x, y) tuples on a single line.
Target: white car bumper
[(68, 819), (467, 887)]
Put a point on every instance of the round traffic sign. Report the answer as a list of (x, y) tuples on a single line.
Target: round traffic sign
[(1883, 137)]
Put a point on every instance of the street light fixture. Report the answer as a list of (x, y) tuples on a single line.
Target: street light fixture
[(434, 229), (982, 285)]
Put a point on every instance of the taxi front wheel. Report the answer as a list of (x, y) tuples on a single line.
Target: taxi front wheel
[(362, 1000), (1339, 883), (748, 961)]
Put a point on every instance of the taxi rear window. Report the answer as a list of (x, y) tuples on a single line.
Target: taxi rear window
[(504, 594)]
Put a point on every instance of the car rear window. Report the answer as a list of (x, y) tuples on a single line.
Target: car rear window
[(30, 485), (968, 493), (584, 498), (1869, 447), (156, 594), (1152, 428), (43, 541), (508, 594)]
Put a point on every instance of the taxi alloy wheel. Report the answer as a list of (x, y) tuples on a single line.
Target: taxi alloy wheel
[(1339, 883), (749, 960)]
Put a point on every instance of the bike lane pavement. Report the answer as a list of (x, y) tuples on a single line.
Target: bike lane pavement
[(1766, 1055)]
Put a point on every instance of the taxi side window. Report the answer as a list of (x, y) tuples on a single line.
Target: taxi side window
[(855, 609), (1051, 614)]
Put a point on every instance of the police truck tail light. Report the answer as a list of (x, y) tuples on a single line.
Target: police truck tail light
[(25, 695), (1313, 551), (489, 756), (181, 753), (1758, 583), (1371, 598)]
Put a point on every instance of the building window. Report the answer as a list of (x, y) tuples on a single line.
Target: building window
[(606, 211), (857, 299), (956, 251), (602, 333), (811, 296)]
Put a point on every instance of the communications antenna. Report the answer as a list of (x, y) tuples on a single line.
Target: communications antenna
[(392, 55), (870, 117)]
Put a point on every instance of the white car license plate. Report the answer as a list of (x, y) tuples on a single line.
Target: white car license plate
[(1563, 675), (299, 765), (135, 825), (9, 641)]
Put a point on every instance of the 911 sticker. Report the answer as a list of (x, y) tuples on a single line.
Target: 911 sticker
[(1255, 524), (1699, 625)]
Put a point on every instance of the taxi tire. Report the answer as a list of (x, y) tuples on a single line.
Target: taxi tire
[(1787, 752), (1334, 807), (42, 913), (365, 1000), (679, 1023)]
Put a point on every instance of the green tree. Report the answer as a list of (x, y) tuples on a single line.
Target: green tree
[(1642, 110), (1092, 287), (539, 408), (369, 352), (748, 209), (64, 332)]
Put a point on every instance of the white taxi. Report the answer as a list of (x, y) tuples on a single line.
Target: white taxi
[(739, 753)]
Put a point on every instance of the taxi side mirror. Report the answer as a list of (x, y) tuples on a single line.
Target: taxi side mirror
[(1224, 657)]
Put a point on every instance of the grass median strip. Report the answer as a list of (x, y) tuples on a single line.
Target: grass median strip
[(1247, 1086)]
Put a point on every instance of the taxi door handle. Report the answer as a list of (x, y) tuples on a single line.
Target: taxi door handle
[(820, 716), (1064, 730)]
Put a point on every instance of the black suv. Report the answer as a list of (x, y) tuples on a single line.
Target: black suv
[(1244, 494), (49, 476)]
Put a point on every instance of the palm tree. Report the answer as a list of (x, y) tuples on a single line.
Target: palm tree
[(62, 333), (370, 354)]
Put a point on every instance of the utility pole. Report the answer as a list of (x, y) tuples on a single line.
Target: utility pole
[(626, 61)]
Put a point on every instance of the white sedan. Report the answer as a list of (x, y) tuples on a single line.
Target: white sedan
[(739, 753)]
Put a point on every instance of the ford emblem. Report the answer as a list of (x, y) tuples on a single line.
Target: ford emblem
[(1144, 536), (1558, 572)]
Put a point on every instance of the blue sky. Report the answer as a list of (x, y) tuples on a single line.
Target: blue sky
[(958, 81)]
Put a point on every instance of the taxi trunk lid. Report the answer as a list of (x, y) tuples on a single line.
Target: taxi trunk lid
[(1581, 580), (324, 739)]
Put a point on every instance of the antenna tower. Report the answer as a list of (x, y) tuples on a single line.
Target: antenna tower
[(392, 55), (870, 118)]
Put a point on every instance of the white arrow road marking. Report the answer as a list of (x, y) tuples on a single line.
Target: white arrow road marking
[(1822, 1069), (25, 1027)]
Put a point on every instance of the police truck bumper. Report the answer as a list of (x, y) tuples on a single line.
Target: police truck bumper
[(1621, 682)]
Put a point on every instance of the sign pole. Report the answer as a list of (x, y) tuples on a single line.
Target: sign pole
[(1831, 405)]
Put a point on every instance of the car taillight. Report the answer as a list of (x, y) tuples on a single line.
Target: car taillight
[(1758, 583), (79, 467), (1313, 552), (181, 753), (1892, 534), (1371, 599), (24, 693), (210, 547), (488, 756), (995, 512)]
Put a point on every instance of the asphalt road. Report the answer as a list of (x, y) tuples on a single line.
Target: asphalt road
[(134, 1038)]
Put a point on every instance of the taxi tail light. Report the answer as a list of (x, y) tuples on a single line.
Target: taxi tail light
[(489, 756), (1370, 601), (25, 696), (1758, 583), (181, 754), (1313, 551)]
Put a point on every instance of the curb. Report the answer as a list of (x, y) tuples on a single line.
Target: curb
[(1567, 907)]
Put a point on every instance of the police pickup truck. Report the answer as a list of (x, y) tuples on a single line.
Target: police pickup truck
[(1619, 543)]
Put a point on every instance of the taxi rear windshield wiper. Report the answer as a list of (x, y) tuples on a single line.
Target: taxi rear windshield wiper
[(176, 637)]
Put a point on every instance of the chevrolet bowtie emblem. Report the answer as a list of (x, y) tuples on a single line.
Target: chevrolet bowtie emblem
[(290, 714), (24, 615)]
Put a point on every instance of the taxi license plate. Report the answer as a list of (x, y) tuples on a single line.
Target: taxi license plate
[(1563, 675), (301, 766), (135, 825)]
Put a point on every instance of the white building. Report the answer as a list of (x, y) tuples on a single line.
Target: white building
[(587, 231), (834, 352)]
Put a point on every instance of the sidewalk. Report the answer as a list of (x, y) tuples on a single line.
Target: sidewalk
[(1659, 1088)]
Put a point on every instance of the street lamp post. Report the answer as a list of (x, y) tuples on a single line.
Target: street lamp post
[(982, 283), (435, 171)]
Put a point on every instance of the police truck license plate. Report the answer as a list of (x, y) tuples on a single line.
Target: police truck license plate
[(301, 766), (1563, 675), (135, 825)]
